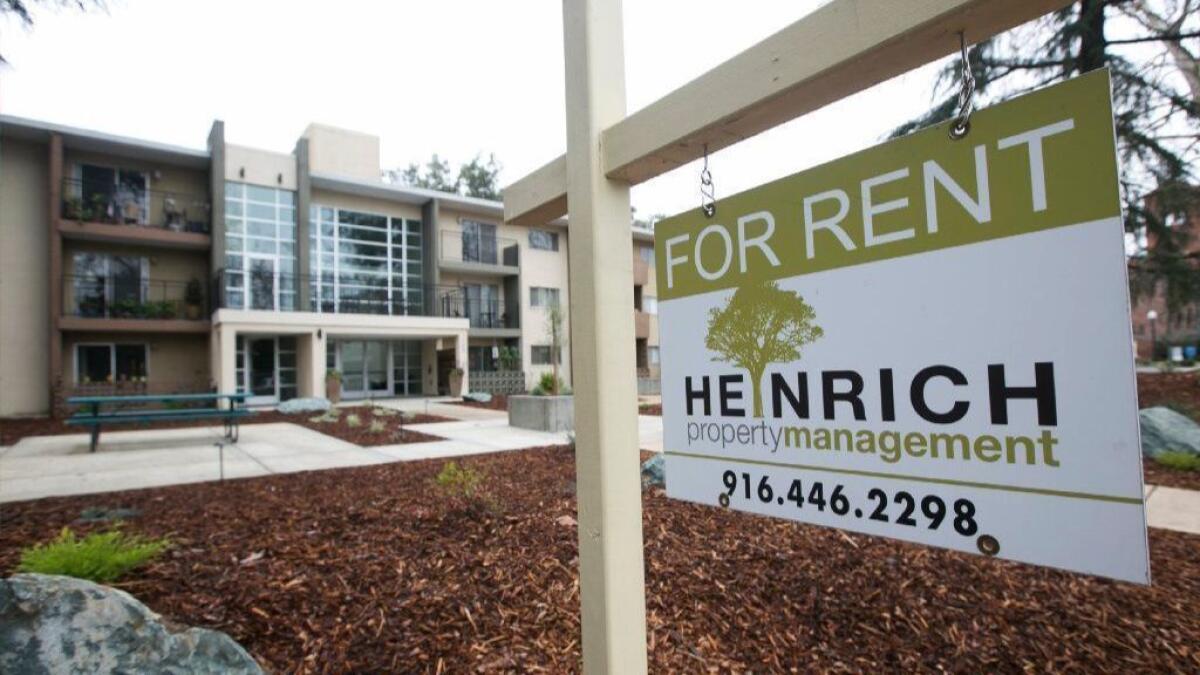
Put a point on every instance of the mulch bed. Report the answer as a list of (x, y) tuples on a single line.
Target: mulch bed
[(14, 429), (1154, 473), (372, 569), (368, 425), (498, 402), (1179, 391)]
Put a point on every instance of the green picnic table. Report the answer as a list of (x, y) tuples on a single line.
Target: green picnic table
[(96, 411)]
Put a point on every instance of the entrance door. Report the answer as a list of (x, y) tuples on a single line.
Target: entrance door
[(263, 280), (365, 365), (262, 383)]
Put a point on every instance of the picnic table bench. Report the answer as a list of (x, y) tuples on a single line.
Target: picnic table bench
[(96, 411)]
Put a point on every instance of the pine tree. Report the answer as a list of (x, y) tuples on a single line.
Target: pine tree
[(1156, 121)]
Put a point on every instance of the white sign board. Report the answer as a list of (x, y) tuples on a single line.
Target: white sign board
[(929, 340)]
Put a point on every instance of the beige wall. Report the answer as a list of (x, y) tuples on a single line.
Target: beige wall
[(24, 259), (341, 152), (365, 204), (262, 167), (173, 360)]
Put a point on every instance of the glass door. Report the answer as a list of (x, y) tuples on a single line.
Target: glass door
[(263, 280), (262, 383), (365, 366)]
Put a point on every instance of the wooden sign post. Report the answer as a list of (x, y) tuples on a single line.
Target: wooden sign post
[(843, 47)]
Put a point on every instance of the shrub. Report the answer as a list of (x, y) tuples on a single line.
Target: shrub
[(376, 427), (458, 481), (101, 556), (1178, 460), (546, 383), (353, 420)]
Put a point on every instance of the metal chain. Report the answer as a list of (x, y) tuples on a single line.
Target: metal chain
[(708, 199), (966, 95)]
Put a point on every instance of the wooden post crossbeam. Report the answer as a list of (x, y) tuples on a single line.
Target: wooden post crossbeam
[(844, 47), (840, 49)]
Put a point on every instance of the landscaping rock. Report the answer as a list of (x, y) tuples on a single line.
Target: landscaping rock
[(304, 405), (478, 397), (53, 624), (103, 514), (654, 472), (1165, 430)]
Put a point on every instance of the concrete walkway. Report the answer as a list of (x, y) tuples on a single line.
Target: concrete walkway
[(46, 466)]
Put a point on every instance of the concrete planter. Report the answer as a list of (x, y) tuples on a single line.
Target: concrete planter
[(542, 413)]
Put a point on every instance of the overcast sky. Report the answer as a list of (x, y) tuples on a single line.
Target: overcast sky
[(456, 77)]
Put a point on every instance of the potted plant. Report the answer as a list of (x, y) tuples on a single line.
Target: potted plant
[(333, 385), (456, 381), (193, 298), (73, 208)]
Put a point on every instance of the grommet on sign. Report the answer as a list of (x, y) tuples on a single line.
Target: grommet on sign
[(988, 545)]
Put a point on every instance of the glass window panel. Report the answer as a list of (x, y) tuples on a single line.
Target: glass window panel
[(233, 262), (131, 362), (287, 232), (233, 244), (233, 190), (234, 225), (364, 219), (287, 215), (286, 197), (261, 211), (287, 250), (93, 363), (354, 248), (258, 228), (236, 298), (362, 234), (255, 193), (261, 245), (233, 208)]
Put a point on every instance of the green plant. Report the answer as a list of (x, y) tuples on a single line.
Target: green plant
[(332, 374), (353, 420), (376, 426), (1179, 460), (458, 481), (548, 384), (100, 556), (509, 358)]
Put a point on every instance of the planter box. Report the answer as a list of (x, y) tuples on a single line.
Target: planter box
[(542, 413)]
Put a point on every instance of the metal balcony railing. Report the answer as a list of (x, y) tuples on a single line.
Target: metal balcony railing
[(465, 302), (113, 297), (461, 246), (102, 202)]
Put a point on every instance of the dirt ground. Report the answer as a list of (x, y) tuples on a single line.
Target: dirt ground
[(374, 569)]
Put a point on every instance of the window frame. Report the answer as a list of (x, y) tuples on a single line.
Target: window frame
[(112, 359), (553, 238)]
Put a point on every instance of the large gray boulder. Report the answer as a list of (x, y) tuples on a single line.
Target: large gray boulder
[(654, 472), (304, 405), (1165, 430), (53, 624)]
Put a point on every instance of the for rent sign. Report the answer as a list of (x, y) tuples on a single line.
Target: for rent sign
[(928, 340)]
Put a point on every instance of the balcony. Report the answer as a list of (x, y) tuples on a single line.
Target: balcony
[(489, 317), (115, 213), (120, 304), (461, 251)]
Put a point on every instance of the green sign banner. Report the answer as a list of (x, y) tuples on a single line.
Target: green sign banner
[(1030, 164)]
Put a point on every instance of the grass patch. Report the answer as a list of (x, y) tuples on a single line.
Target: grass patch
[(1179, 461), (101, 556)]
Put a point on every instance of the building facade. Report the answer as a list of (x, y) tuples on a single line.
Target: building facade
[(129, 266)]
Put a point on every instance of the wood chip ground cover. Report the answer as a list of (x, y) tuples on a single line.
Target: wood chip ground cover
[(374, 570)]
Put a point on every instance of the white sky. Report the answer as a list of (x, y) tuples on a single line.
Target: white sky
[(456, 77)]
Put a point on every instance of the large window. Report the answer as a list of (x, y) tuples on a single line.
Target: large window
[(365, 263), (650, 304), (478, 242), (108, 363), (540, 355), (260, 247), (541, 239), (109, 285), (543, 297), (112, 194)]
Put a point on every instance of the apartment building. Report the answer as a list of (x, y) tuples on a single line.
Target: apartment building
[(133, 266)]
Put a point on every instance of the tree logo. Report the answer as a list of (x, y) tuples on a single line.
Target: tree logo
[(760, 325)]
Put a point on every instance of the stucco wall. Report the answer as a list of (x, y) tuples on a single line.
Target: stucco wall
[(342, 152), (24, 263), (260, 167)]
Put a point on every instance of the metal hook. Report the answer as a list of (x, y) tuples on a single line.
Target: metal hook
[(708, 199), (966, 95)]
